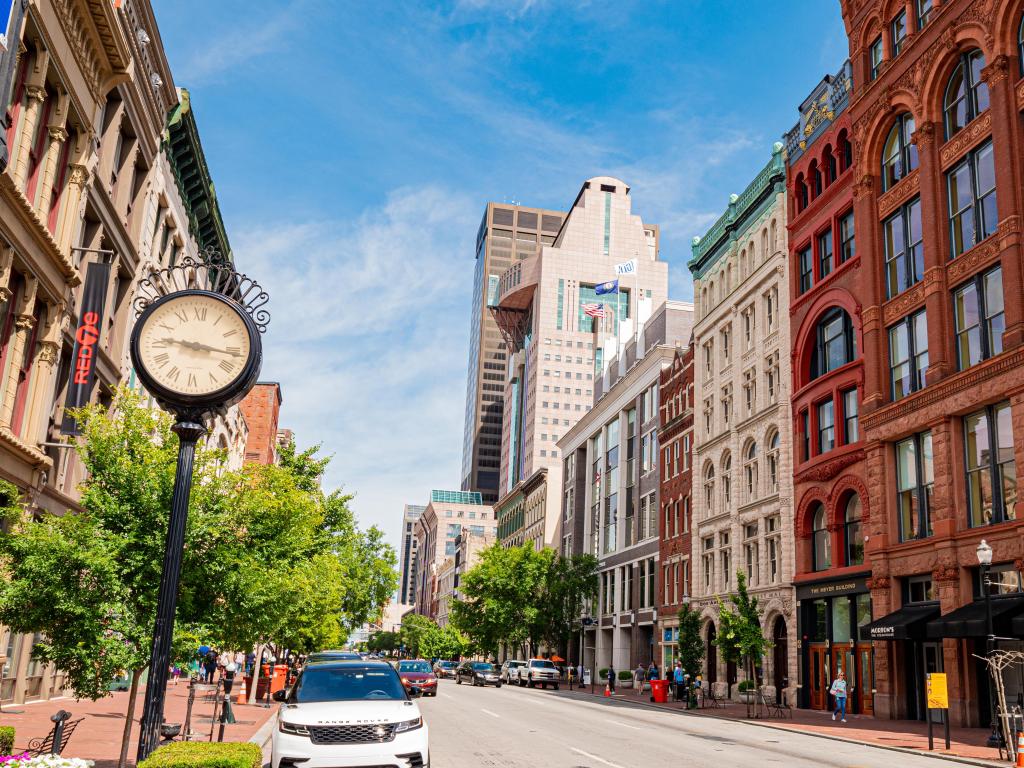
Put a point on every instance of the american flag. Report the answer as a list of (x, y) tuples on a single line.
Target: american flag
[(594, 310)]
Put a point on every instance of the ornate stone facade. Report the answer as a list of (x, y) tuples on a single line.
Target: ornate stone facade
[(742, 477), (962, 422)]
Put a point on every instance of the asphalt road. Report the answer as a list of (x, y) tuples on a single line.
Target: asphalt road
[(522, 728)]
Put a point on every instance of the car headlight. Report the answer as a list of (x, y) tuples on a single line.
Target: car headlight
[(293, 728), (405, 680), (409, 725)]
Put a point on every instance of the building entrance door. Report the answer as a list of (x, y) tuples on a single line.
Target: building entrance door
[(819, 675), (865, 679), (780, 658), (842, 659), (712, 656)]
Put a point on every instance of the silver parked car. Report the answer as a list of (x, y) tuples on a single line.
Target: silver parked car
[(510, 670)]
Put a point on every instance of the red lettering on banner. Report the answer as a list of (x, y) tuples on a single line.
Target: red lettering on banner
[(87, 336)]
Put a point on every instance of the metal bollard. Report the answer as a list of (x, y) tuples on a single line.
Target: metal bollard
[(58, 720)]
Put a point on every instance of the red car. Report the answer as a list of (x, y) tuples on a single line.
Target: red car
[(417, 674)]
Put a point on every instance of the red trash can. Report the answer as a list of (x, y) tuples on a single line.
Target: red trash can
[(659, 691)]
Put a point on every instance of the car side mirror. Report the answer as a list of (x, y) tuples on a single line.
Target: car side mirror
[(281, 695), (415, 692)]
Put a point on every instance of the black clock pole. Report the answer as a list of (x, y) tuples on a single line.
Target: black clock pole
[(188, 432)]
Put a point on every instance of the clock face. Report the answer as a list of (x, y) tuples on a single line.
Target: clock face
[(194, 345)]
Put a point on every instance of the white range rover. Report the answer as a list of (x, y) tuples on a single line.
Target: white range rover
[(345, 714)]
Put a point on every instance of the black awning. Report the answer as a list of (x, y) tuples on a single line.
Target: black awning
[(970, 620), (1018, 626), (905, 624)]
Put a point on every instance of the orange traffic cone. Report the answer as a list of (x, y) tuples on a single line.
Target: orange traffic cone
[(242, 697), (1020, 750), (607, 691)]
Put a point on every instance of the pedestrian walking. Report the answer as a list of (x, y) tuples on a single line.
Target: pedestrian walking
[(679, 679), (611, 679), (580, 678), (838, 690), (652, 671), (250, 662), (210, 665), (638, 679)]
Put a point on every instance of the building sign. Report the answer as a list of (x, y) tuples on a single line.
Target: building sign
[(938, 696), (832, 588), (883, 633), (87, 343)]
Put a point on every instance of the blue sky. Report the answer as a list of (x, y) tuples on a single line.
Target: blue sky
[(354, 145)]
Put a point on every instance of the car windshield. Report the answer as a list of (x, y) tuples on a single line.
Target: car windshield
[(413, 666), (543, 663), (482, 666), (346, 683), (448, 665)]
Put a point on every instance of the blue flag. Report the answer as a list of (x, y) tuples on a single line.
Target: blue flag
[(612, 286)]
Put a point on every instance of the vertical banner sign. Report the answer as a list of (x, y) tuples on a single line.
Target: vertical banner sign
[(87, 340)]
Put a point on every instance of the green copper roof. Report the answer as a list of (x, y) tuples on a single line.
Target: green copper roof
[(185, 151), (742, 208)]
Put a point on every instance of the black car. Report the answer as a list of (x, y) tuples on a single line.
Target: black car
[(333, 656), (477, 673)]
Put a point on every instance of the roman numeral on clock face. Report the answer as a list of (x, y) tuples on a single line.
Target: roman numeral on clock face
[(192, 382), (181, 315), (174, 373), (226, 366), (200, 313), (162, 359)]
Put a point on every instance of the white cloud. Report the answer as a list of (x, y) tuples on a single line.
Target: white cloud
[(369, 339)]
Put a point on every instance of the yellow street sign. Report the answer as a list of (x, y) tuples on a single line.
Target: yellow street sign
[(938, 696)]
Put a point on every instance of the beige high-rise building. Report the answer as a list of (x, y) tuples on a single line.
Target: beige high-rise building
[(556, 347), (507, 234), (742, 468)]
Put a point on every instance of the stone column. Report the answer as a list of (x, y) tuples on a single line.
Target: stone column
[(44, 376), (69, 215), (57, 136), (1005, 126), (23, 322), (32, 102)]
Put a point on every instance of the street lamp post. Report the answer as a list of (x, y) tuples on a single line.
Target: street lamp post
[(984, 553)]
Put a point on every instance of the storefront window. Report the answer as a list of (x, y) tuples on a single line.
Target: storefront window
[(820, 621), (863, 612), (841, 624)]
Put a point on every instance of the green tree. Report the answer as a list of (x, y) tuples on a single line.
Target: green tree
[(89, 582), (500, 598), (383, 642), (740, 637), (415, 629), (569, 582), (690, 645), (444, 643)]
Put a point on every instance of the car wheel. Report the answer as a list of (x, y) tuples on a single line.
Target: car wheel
[(497, 685), (556, 686)]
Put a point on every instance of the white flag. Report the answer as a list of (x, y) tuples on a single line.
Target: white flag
[(626, 268)]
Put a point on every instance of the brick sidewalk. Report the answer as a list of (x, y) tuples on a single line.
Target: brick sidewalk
[(967, 743), (99, 736)]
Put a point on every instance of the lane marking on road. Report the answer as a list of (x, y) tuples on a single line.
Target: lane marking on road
[(492, 714), (595, 757), (627, 725)]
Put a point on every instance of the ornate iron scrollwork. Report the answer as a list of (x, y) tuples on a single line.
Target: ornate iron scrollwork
[(208, 271)]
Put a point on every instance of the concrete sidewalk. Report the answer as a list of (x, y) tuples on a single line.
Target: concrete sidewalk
[(98, 737), (966, 744)]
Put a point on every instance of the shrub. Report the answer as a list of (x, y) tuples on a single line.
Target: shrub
[(602, 673), (198, 754), (625, 674), (746, 685), (6, 739)]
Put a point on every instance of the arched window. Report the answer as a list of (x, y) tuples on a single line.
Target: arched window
[(1020, 45), (899, 157), (822, 545), (727, 479), (853, 534), (814, 175), (774, 241), (831, 166), (845, 151), (835, 342), (966, 94), (764, 245), (773, 462), (709, 491), (750, 471), (801, 193)]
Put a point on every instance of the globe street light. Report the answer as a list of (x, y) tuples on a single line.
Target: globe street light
[(984, 553)]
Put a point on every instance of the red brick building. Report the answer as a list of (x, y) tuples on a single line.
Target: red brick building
[(261, 408), (936, 116), (830, 496), (675, 436)]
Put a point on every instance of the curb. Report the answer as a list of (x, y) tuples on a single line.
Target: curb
[(262, 736), (859, 742)]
